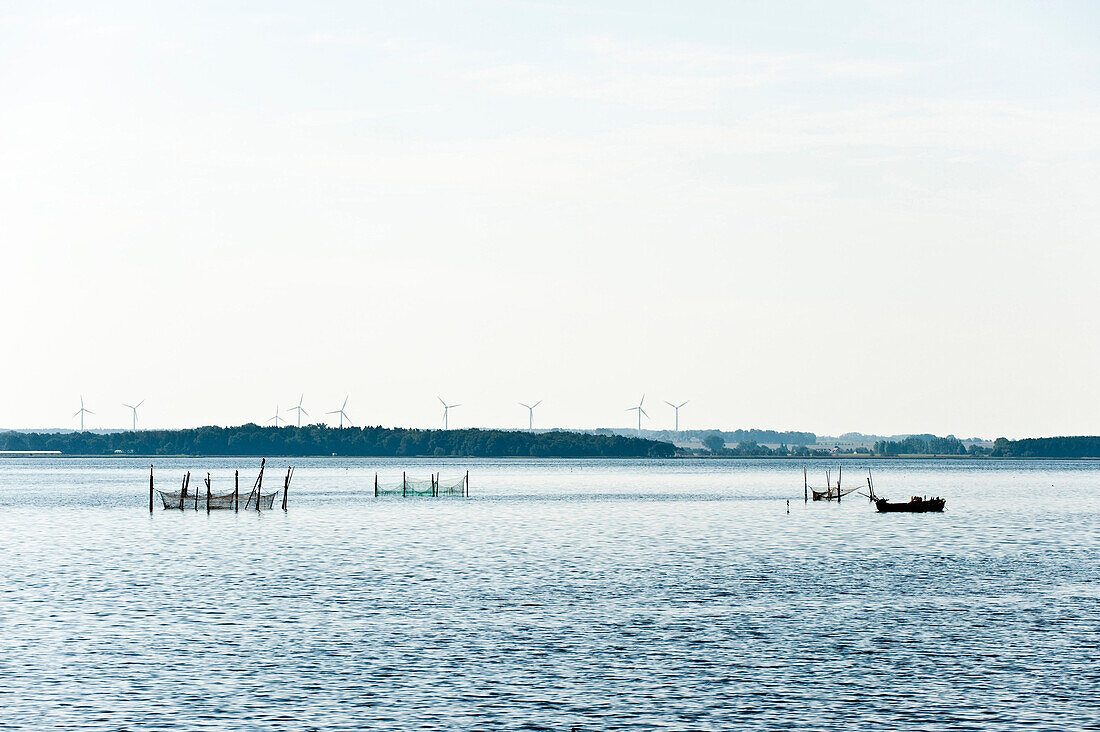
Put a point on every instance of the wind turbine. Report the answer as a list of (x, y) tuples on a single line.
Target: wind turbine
[(446, 409), (276, 419), (342, 413), (677, 408), (300, 410), (641, 411), (530, 413), (134, 410), (82, 411)]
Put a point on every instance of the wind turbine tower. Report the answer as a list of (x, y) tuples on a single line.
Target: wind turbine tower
[(277, 419), (531, 413), (81, 412), (134, 409), (640, 411), (677, 408), (446, 410), (342, 413), (299, 410)]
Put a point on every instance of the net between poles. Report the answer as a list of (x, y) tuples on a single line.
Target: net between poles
[(429, 487), (197, 500)]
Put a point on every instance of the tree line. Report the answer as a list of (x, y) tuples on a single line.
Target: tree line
[(321, 440), (1032, 447)]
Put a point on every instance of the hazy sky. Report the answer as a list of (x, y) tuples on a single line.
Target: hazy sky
[(825, 216)]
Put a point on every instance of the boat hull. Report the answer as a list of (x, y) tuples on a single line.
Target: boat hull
[(916, 505)]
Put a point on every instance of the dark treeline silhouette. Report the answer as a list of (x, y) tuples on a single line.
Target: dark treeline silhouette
[(251, 439), (714, 444), (1032, 447), (921, 445), (1047, 447)]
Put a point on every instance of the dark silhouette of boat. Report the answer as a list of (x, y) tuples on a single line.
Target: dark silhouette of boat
[(916, 504)]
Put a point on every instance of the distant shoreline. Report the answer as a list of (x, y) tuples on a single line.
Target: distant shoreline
[(732, 458)]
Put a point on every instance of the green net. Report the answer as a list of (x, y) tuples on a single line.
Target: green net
[(419, 487)]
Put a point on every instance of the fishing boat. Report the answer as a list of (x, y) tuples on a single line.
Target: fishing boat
[(916, 504)]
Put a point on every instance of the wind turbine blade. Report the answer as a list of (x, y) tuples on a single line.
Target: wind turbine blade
[(88, 411), (128, 406), (303, 411), (455, 405), (524, 405), (643, 412), (77, 412), (536, 404), (630, 409), (642, 401), (139, 404), (333, 412), (671, 404), (685, 402), (441, 400)]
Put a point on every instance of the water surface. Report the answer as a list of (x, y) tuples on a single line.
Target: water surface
[(604, 595)]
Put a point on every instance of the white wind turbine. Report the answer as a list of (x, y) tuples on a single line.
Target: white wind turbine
[(677, 408), (446, 410), (133, 408), (82, 411), (530, 413), (300, 410), (641, 411), (342, 413), (276, 419)]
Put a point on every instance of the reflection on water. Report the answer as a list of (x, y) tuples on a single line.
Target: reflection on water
[(605, 595)]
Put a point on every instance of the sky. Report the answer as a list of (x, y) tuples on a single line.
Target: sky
[(847, 216)]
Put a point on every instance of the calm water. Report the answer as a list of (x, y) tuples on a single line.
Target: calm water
[(603, 595)]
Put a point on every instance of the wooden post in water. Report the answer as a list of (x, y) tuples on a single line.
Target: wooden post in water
[(403, 483), (208, 492), (236, 490), (467, 483), (376, 485), (183, 489), (150, 489), (257, 486), (839, 480), (805, 486), (286, 485)]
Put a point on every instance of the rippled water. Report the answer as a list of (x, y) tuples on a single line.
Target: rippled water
[(602, 595)]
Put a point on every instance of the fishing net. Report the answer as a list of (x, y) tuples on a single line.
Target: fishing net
[(456, 487), (429, 487), (196, 500), (831, 494)]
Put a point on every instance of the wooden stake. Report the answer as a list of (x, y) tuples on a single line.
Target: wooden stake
[(467, 483), (376, 485), (286, 485), (236, 490), (403, 483), (183, 490), (208, 492), (839, 479), (150, 489), (258, 485), (805, 486)]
